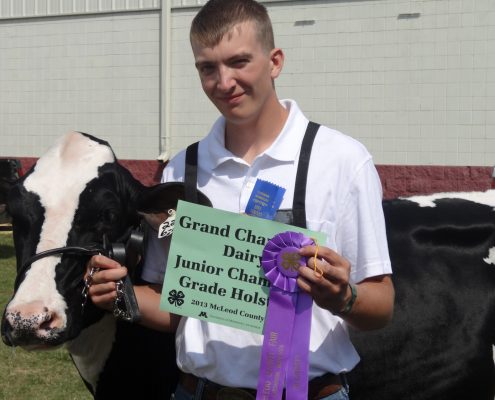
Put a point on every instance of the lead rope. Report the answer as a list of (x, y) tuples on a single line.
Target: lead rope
[(87, 284)]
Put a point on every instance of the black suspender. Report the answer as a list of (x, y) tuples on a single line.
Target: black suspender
[(191, 174), (299, 201)]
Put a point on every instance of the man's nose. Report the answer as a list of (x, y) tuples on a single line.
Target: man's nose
[(225, 79)]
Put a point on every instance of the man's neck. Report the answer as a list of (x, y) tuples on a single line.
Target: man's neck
[(248, 140)]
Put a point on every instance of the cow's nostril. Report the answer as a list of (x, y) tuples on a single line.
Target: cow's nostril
[(6, 333), (50, 321), (46, 326)]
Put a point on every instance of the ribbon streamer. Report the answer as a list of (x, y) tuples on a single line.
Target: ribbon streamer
[(284, 357)]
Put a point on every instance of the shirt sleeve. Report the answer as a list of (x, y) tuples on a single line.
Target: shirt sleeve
[(155, 260), (361, 230), (156, 255)]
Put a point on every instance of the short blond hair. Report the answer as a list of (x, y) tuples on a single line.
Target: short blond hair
[(217, 17)]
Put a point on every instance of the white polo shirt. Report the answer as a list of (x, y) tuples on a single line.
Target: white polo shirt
[(343, 200)]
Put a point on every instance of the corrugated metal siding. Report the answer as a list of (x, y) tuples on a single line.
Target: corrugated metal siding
[(10, 9), (44, 8), (187, 3), (96, 73), (197, 3)]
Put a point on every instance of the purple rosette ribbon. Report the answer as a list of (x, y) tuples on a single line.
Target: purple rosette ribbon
[(284, 356)]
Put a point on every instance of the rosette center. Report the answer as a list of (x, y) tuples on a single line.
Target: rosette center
[(288, 261)]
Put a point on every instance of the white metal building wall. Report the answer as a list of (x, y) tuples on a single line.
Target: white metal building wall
[(412, 79), (97, 73)]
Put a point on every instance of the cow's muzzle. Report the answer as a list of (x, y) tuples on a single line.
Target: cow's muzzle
[(31, 326)]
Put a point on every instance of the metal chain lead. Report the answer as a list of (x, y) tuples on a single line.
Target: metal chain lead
[(87, 284), (119, 306)]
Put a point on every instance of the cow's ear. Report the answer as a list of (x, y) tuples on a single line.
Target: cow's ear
[(155, 202)]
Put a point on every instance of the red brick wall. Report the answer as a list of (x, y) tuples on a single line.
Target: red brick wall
[(147, 172), (397, 180), (406, 180)]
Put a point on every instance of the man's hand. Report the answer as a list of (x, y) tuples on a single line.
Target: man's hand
[(328, 284), (103, 282), (103, 293)]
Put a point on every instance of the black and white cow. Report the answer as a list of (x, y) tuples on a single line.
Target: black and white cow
[(74, 195), (438, 346)]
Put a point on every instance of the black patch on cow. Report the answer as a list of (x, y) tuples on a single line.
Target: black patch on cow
[(107, 206), (141, 365), (439, 343), (453, 236), (27, 220)]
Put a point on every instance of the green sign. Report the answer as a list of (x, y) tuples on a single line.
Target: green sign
[(214, 266)]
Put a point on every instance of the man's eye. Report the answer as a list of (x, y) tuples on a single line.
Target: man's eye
[(206, 69), (240, 62)]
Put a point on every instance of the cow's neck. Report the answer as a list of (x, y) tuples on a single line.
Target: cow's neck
[(90, 350)]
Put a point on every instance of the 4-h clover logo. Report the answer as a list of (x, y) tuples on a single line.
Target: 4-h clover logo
[(176, 297), (290, 261)]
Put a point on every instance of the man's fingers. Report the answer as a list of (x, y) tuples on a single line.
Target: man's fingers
[(104, 301), (322, 252), (102, 288), (104, 269), (303, 284), (311, 279), (109, 275), (102, 262)]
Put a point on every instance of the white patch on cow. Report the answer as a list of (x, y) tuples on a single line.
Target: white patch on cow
[(487, 198), (491, 257), (90, 350), (70, 164)]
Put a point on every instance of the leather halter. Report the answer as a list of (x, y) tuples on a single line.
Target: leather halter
[(128, 254), (73, 250)]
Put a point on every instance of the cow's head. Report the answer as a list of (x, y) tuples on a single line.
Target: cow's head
[(75, 195)]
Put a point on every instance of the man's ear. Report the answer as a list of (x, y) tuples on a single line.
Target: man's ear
[(277, 58), (155, 202)]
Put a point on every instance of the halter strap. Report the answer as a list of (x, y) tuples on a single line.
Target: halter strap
[(74, 250)]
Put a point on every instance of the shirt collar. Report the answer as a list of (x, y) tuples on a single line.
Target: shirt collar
[(287, 144), (285, 148)]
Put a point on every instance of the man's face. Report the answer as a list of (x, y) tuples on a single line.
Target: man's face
[(237, 74)]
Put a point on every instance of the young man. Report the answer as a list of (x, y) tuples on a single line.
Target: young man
[(260, 137)]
